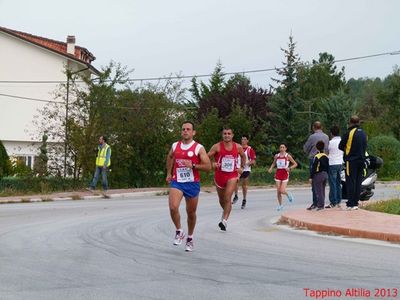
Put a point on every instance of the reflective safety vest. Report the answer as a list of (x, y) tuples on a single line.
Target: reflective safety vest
[(101, 156)]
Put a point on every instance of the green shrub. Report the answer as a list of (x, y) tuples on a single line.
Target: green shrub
[(260, 177), (387, 148), (19, 168)]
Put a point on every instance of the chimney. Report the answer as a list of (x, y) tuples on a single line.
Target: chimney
[(71, 44)]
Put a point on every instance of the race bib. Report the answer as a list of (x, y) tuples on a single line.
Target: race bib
[(281, 163), (184, 175), (227, 164)]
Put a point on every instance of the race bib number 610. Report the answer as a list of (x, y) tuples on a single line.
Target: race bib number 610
[(184, 175)]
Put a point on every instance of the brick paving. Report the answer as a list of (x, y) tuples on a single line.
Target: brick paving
[(359, 223)]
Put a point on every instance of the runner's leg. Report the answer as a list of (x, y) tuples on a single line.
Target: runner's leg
[(245, 184), (229, 189), (278, 191), (174, 200), (191, 207)]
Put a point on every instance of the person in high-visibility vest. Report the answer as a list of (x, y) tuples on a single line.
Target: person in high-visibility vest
[(103, 162)]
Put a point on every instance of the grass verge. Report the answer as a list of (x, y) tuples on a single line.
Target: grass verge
[(389, 206)]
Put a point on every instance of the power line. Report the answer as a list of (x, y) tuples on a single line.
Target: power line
[(58, 102), (397, 52), (182, 77), (30, 99)]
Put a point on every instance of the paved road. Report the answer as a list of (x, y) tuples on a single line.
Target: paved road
[(122, 249)]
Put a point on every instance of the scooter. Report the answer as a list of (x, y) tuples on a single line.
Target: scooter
[(372, 164)]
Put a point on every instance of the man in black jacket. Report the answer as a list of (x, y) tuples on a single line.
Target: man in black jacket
[(354, 145)]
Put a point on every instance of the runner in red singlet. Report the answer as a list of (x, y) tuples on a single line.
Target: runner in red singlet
[(225, 155), (282, 161), (184, 161)]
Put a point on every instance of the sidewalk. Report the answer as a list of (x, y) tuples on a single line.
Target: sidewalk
[(360, 223)]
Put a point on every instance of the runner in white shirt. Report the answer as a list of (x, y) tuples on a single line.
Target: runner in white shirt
[(244, 178)]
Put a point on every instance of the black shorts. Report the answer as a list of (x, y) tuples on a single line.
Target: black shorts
[(245, 174)]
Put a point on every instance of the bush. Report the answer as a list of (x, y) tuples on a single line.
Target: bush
[(260, 176), (19, 168), (388, 148)]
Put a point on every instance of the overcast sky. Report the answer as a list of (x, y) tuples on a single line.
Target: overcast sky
[(160, 37)]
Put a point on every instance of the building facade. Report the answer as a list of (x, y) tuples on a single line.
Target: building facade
[(32, 68)]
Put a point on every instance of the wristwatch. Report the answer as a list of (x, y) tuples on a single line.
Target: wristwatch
[(193, 165)]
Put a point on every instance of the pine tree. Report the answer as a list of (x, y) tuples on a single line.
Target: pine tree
[(41, 166), (290, 126)]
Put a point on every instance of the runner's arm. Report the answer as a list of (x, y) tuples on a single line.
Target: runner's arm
[(214, 150), (205, 163), (294, 163), (252, 160), (272, 165), (242, 156)]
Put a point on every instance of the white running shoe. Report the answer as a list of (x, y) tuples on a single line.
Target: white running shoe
[(189, 245), (179, 236)]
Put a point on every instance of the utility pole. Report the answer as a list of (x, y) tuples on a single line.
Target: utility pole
[(69, 76)]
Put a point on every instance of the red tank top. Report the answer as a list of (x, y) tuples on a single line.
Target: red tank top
[(227, 160), (181, 173)]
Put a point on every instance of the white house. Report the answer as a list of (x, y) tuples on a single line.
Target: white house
[(31, 70)]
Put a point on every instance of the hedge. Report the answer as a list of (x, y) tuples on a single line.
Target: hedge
[(15, 185)]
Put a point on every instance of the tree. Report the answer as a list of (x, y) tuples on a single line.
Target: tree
[(364, 94), (4, 161), (289, 125), (390, 98), (209, 131), (88, 118), (320, 79), (41, 163), (235, 102), (146, 124), (317, 81), (336, 110)]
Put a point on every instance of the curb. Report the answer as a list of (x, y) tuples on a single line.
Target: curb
[(347, 228), (75, 196)]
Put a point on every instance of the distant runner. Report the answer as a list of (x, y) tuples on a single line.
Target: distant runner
[(244, 178), (282, 161)]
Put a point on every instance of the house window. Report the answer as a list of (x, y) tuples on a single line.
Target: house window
[(27, 160)]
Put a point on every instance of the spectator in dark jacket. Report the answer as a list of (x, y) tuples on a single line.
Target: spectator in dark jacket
[(319, 176), (354, 146)]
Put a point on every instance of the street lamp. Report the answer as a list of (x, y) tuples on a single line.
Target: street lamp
[(69, 75)]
